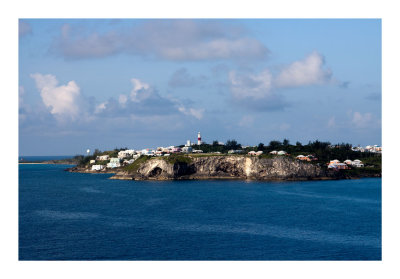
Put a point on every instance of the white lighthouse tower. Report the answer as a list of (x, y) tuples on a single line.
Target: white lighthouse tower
[(198, 138)]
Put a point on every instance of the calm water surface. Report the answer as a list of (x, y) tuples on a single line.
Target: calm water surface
[(72, 216)]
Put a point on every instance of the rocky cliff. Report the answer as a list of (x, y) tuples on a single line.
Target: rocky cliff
[(224, 167)]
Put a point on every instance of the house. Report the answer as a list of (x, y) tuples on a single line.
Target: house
[(187, 149), (258, 153), (114, 160), (274, 152), (348, 162), (113, 165), (147, 152), (126, 153), (282, 152), (103, 157), (97, 167), (338, 166), (303, 158), (357, 163), (92, 161), (197, 151)]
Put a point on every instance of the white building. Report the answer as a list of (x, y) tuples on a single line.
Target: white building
[(126, 153), (274, 152), (282, 152), (147, 152), (92, 161), (113, 165), (357, 163), (187, 149), (97, 167), (103, 158)]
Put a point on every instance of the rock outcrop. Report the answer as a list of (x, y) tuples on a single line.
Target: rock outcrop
[(226, 167)]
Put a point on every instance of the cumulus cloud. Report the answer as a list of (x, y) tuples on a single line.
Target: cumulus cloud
[(24, 28), (182, 78), (254, 90), (259, 90), (361, 120), (255, 86), (63, 101), (197, 113), (309, 71), (144, 100), (166, 39), (140, 90)]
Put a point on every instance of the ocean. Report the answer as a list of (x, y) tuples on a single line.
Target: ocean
[(73, 216)]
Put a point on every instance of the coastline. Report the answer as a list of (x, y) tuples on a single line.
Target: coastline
[(225, 168)]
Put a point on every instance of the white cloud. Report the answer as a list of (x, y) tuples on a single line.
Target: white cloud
[(99, 108), (139, 90), (255, 91), (362, 120), (197, 113), (63, 101), (166, 39), (122, 99), (308, 71), (259, 90), (256, 86)]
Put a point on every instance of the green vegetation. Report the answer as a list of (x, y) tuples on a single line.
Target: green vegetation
[(323, 151), (363, 171), (136, 164), (176, 158)]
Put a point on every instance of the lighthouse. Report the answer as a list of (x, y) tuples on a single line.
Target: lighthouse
[(198, 139)]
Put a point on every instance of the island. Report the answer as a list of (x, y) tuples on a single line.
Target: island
[(245, 163)]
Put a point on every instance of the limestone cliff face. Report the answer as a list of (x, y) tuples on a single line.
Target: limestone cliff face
[(226, 167)]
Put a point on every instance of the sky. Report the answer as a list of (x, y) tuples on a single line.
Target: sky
[(144, 83)]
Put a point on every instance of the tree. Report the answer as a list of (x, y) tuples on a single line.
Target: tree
[(285, 142), (298, 144), (274, 144), (232, 144), (260, 147), (215, 143)]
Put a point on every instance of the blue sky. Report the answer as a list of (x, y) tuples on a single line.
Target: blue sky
[(147, 83)]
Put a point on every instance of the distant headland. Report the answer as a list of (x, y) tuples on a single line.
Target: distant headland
[(230, 160)]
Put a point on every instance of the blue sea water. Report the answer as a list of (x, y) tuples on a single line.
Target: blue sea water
[(73, 216)]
